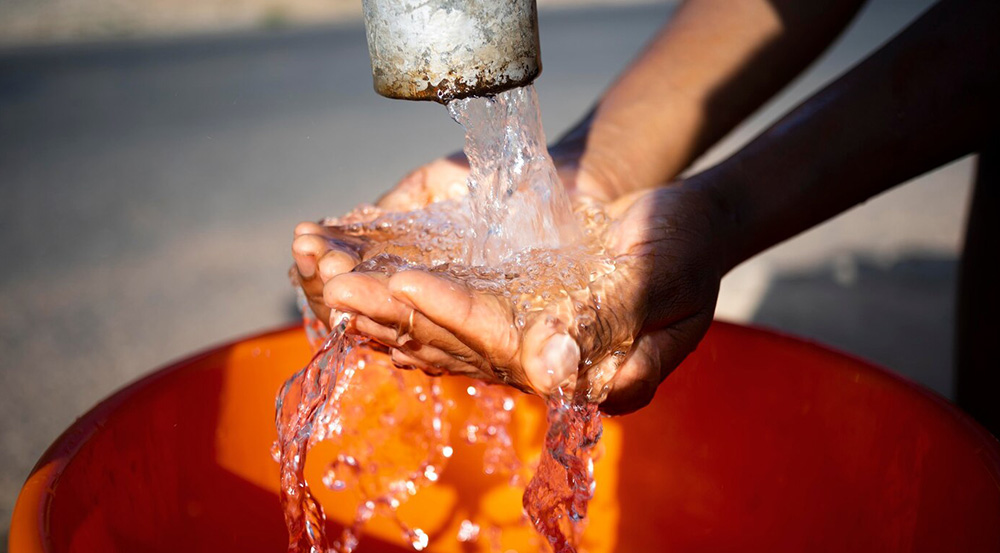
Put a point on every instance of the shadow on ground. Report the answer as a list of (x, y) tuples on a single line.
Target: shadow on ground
[(896, 312)]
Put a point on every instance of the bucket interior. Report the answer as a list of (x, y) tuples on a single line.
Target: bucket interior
[(757, 442)]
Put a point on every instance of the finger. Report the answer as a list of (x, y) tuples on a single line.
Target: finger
[(477, 320), (366, 294), (346, 292), (306, 251), (550, 357), (314, 300), (404, 361), (309, 227), (429, 356), (432, 360), (321, 312), (438, 180), (337, 261), (435, 358), (423, 339), (409, 193), (652, 358), (637, 378), (382, 334), (394, 323)]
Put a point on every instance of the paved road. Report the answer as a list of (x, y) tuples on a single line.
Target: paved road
[(148, 192)]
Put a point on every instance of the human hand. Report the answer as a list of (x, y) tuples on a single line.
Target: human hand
[(669, 262), (322, 250)]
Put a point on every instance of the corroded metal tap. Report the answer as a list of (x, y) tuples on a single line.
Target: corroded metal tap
[(440, 50)]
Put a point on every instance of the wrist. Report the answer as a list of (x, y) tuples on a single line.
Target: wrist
[(589, 169), (720, 188), (628, 149)]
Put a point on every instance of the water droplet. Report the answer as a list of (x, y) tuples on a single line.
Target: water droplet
[(419, 540), (468, 531)]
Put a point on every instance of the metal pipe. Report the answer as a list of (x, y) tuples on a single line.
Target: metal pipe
[(440, 50)]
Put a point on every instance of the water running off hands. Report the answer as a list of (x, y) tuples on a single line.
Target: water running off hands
[(515, 235)]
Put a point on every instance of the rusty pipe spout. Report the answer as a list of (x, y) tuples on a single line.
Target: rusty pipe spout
[(440, 50)]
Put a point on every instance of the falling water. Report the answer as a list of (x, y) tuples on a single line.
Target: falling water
[(515, 235)]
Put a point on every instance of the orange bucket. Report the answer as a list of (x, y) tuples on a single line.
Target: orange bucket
[(758, 442)]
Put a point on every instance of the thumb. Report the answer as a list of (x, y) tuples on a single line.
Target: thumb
[(550, 357), (652, 358)]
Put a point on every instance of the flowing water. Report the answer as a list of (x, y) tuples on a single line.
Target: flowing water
[(516, 235)]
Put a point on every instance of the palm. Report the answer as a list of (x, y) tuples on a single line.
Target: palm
[(663, 292), (441, 179), (321, 251)]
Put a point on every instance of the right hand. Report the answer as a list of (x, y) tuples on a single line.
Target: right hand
[(669, 245)]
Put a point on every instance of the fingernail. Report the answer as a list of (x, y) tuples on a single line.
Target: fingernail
[(307, 267), (560, 360)]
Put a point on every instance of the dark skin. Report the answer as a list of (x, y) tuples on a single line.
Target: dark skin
[(924, 99)]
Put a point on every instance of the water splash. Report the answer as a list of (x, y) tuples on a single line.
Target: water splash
[(516, 199), (556, 499), (514, 235), (388, 427), (489, 424), (299, 404)]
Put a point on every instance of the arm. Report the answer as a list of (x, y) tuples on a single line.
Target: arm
[(926, 98), (713, 64), (710, 67)]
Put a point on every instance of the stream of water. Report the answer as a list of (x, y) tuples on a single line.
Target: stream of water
[(516, 235)]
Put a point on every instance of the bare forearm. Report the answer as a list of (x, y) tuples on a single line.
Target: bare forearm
[(713, 64), (926, 98)]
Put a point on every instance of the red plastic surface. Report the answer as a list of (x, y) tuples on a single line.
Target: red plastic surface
[(758, 442)]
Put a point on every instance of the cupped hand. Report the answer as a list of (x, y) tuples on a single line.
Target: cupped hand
[(322, 251), (668, 253)]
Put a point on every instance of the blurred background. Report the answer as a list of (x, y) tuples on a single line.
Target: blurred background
[(155, 156)]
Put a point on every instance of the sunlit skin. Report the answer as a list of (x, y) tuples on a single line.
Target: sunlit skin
[(660, 237), (647, 127), (924, 99)]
